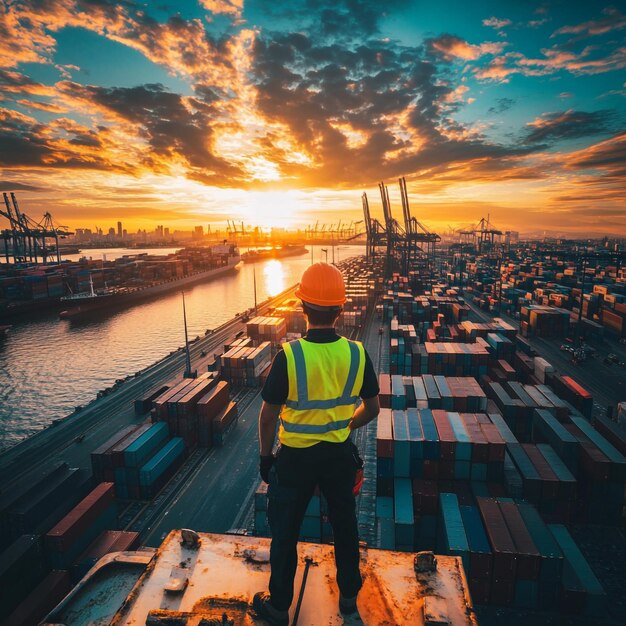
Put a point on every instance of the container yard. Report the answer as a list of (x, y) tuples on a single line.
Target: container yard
[(488, 451)]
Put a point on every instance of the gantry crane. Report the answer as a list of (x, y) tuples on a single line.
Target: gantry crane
[(403, 245), (29, 239)]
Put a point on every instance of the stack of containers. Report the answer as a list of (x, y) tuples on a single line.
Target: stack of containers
[(551, 563), (223, 423), (451, 536), (243, 366), (601, 475), (462, 394), (581, 592), (542, 368), (479, 569), (102, 457), (46, 502), (67, 540), (518, 403), (161, 403), (418, 447), (144, 405), (453, 359), (182, 417), (36, 286), (271, 329), (571, 391), (504, 566), (291, 311), (614, 433), (135, 455), (56, 288), (500, 347), (161, 467), (209, 407), (526, 592), (21, 568), (547, 429), (545, 321)]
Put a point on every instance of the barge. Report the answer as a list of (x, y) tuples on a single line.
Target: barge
[(87, 304), (262, 254)]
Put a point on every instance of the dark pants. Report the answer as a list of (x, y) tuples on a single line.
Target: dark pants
[(292, 480)]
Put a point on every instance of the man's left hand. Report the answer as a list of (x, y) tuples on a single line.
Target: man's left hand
[(265, 465)]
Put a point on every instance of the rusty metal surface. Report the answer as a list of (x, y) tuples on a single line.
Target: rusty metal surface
[(225, 571)]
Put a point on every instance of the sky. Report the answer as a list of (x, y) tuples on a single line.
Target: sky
[(187, 113)]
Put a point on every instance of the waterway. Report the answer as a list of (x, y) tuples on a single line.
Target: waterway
[(48, 366)]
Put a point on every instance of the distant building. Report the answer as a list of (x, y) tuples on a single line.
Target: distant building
[(119, 230), (166, 232), (111, 233), (198, 232)]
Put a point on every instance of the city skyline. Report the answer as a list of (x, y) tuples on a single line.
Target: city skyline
[(283, 114)]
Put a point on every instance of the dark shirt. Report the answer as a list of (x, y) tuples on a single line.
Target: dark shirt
[(276, 386)]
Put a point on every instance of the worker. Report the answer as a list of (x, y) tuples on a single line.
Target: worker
[(313, 388)]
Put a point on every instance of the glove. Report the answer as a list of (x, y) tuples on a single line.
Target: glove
[(265, 464)]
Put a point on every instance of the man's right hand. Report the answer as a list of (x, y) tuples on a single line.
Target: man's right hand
[(265, 465)]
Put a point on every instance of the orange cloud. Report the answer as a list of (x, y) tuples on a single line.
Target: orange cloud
[(227, 7), (451, 47)]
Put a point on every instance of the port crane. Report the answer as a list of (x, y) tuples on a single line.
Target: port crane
[(26, 241), (481, 236), (403, 245)]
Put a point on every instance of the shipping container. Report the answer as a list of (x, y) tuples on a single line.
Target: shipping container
[(582, 593), (452, 538), (140, 450)]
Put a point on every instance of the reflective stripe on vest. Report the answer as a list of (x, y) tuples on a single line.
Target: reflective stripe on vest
[(306, 420)]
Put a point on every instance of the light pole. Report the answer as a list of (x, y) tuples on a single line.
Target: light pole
[(188, 373), (325, 251)]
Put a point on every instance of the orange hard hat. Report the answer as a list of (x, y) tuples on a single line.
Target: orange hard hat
[(322, 284)]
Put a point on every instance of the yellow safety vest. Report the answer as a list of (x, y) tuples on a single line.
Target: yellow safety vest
[(325, 380)]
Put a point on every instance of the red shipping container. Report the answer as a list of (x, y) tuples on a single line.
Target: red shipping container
[(214, 401), (504, 550), (67, 531), (497, 446), (528, 557), (447, 440), (549, 480)]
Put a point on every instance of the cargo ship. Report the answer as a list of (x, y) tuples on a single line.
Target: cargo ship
[(84, 304), (262, 254)]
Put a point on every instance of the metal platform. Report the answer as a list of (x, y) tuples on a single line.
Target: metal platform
[(184, 585)]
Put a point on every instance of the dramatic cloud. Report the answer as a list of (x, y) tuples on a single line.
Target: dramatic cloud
[(273, 98), (569, 125), (613, 20), (590, 60), (450, 47), (228, 7)]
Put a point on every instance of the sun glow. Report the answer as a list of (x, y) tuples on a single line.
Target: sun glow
[(274, 277)]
